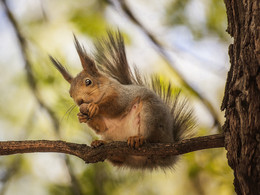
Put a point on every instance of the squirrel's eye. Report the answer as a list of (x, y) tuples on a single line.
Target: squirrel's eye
[(88, 82)]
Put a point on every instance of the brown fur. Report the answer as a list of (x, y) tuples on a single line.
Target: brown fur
[(119, 107)]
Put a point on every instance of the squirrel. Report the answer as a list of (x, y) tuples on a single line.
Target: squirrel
[(121, 105)]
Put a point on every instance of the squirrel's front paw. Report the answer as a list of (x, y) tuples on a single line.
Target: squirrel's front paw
[(90, 109), (83, 118), (135, 141)]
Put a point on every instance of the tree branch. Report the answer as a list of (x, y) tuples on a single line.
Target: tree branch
[(93, 155)]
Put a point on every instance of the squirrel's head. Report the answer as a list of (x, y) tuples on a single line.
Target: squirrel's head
[(88, 85)]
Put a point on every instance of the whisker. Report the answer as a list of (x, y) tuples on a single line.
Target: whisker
[(68, 112), (74, 106)]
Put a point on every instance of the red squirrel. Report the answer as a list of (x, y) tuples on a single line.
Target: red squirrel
[(120, 105)]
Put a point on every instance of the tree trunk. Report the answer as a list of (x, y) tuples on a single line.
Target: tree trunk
[(242, 95)]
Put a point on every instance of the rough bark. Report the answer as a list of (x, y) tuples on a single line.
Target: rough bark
[(101, 153), (242, 95)]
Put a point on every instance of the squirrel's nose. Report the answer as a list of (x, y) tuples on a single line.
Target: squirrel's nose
[(79, 101)]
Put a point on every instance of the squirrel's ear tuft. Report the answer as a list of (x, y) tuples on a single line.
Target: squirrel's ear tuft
[(87, 62), (61, 69)]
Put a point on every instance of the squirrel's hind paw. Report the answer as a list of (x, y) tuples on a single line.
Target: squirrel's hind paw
[(97, 143), (135, 141)]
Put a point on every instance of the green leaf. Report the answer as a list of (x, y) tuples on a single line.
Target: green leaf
[(91, 23)]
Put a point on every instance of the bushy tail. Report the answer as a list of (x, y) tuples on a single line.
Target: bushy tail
[(111, 58), (182, 114)]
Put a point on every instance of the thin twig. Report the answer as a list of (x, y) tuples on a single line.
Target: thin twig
[(162, 51), (93, 155), (22, 43)]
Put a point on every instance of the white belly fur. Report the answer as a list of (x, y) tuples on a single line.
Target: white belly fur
[(121, 128)]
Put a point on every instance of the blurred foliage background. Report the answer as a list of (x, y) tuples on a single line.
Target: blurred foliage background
[(183, 41)]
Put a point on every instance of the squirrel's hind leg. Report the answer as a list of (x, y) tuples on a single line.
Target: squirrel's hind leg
[(136, 121)]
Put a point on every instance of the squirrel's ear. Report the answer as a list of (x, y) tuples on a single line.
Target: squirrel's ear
[(61, 69), (87, 62)]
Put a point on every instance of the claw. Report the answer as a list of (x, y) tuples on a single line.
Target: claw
[(135, 141), (90, 109), (97, 143), (83, 118)]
